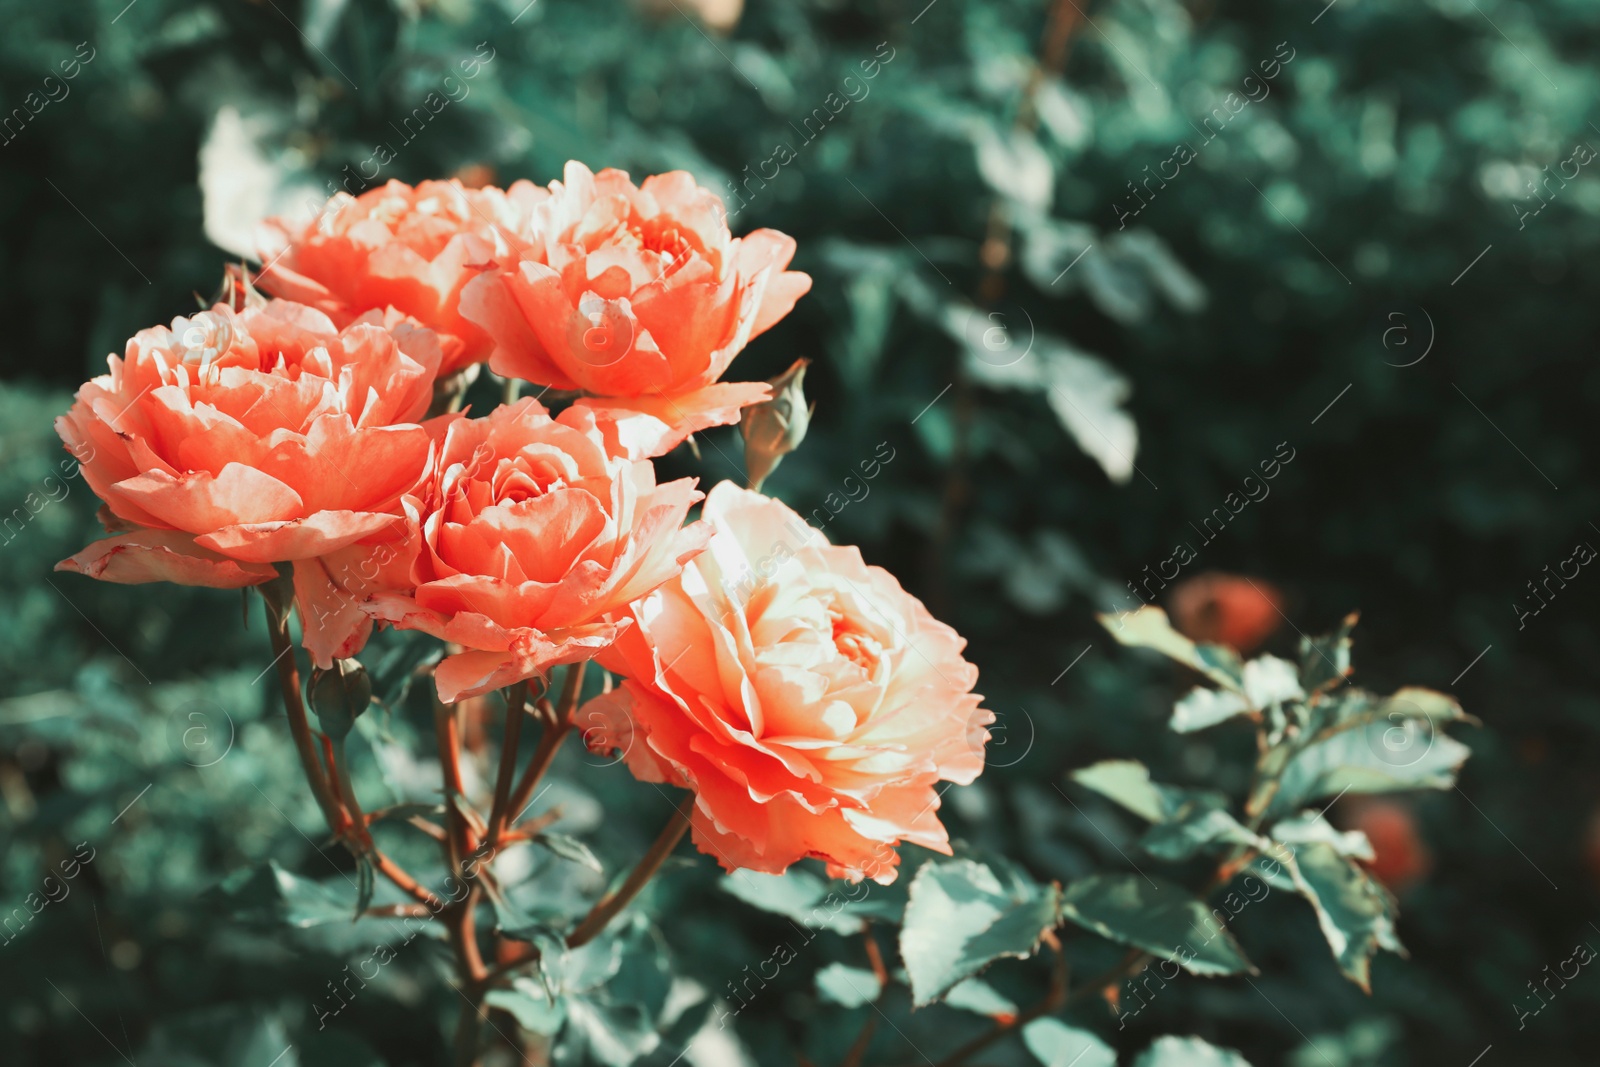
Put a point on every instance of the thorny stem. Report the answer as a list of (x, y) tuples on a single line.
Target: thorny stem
[(516, 704), (858, 1048), (610, 905), (556, 726), (407, 884), (460, 919), (607, 907), (347, 791), (447, 732), (277, 602)]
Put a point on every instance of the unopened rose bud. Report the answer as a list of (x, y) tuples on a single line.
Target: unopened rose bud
[(338, 695), (237, 291), (774, 428)]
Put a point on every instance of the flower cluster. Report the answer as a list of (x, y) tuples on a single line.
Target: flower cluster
[(809, 702)]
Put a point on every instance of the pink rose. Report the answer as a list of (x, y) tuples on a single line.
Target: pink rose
[(397, 246), (638, 296), (811, 704), (530, 538), (238, 440)]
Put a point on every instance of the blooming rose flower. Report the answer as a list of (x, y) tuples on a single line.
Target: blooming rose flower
[(398, 246), (237, 440), (638, 296), (529, 536), (809, 701)]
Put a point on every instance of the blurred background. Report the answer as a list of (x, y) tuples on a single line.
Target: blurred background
[(1078, 275)]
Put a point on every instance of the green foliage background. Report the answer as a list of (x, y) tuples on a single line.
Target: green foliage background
[(1395, 147)]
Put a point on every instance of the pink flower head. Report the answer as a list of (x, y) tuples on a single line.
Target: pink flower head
[(640, 297), (531, 536), (811, 704), (250, 438), (397, 246)]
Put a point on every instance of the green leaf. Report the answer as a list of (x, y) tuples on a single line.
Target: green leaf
[(614, 1035), (1325, 661), (1269, 680), (1157, 916), (1378, 757), (1127, 782), (533, 1008), (366, 883), (816, 902), (1198, 827), (850, 987), (962, 916), (1055, 1044), (269, 894), (1204, 707), (1172, 1051), (1355, 912), (1312, 827), (976, 995), (570, 848), (1148, 627), (1351, 708)]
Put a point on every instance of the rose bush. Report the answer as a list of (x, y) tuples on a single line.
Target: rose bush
[(640, 297), (810, 702)]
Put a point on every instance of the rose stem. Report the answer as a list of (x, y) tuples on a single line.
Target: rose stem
[(277, 610), (549, 741), (447, 732), (409, 885), (608, 906), (863, 1041), (459, 918), (516, 704)]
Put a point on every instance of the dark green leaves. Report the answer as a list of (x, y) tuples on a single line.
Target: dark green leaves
[(1055, 1044), (1373, 745), (1355, 912), (1186, 820), (1325, 661), (1172, 1051), (847, 986), (1156, 916), (816, 902), (269, 894), (571, 849), (964, 915), (1148, 627)]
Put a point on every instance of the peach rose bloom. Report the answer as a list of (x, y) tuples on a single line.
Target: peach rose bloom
[(810, 702), (237, 440), (530, 536), (398, 246), (639, 297)]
